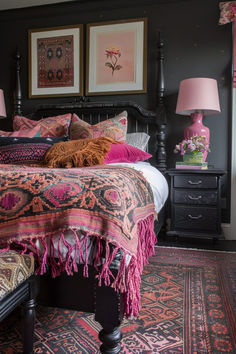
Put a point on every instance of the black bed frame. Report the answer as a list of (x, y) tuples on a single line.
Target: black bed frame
[(77, 292)]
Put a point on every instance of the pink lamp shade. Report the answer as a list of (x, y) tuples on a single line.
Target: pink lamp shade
[(2, 105), (198, 96)]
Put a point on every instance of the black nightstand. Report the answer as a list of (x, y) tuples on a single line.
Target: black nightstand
[(195, 203)]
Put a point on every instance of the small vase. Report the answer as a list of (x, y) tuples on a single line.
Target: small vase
[(189, 157)]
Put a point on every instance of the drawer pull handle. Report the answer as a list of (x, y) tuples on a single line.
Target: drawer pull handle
[(194, 198), (195, 217), (194, 183)]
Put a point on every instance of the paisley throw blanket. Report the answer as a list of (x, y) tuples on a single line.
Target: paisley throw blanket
[(112, 204)]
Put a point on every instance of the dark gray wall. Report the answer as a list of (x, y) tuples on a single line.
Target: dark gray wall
[(195, 46)]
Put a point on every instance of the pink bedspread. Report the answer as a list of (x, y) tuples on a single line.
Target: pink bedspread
[(114, 204)]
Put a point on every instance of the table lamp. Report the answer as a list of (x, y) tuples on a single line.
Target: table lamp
[(198, 96), (2, 105)]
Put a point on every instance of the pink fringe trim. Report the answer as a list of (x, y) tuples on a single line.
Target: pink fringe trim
[(128, 278), (146, 248)]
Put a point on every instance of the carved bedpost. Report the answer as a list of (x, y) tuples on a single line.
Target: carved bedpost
[(161, 112), (17, 91), (161, 148)]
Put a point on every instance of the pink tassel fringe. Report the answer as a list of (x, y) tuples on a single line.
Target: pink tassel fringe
[(127, 279)]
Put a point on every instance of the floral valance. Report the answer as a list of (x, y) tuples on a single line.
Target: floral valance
[(227, 12)]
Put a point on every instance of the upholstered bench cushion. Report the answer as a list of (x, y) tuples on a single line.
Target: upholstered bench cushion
[(14, 269)]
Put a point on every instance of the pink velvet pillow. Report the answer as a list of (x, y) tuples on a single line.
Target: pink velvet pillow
[(115, 128), (125, 153), (49, 127), (30, 133)]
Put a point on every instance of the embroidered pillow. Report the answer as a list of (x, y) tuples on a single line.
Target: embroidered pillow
[(138, 140), (115, 128), (24, 150), (9, 140), (50, 126), (125, 153), (22, 133)]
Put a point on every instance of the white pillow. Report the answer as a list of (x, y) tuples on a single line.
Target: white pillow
[(138, 140)]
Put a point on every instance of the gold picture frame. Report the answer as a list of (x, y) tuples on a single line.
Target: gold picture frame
[(56, 61), (116, 57)]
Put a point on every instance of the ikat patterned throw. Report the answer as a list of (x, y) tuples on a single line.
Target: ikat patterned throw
[(114, 205)]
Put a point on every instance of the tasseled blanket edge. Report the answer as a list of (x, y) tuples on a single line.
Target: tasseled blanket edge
[(127, 278)]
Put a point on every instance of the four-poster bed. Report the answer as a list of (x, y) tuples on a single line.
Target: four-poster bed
[(91, 294)]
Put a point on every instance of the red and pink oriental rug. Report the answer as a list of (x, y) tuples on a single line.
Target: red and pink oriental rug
[(188, 306)]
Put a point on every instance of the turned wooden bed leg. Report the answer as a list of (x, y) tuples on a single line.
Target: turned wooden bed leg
[(110, 341), (28, 311), (28, 316), (109, 311)]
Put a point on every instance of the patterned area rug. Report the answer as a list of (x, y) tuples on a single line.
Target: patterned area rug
[(188, 306)]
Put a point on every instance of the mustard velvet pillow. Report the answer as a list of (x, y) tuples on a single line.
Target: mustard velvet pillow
[(115, 128)]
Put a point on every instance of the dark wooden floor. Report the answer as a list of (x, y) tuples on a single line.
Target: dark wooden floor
[(207, 244)]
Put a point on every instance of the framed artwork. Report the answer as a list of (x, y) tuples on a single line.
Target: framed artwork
[(56, 61), (116, 57)]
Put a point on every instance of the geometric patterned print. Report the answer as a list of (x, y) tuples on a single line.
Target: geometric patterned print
[(113, 204), (188, 306), (38, 201), (14, 269), (50, 126), (115, 128), (55, 62)]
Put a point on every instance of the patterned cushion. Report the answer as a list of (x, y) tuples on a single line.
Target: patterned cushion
[(14, 269), (50, 126), (22, 133), (10, 140), (115, 128), (25, 150)]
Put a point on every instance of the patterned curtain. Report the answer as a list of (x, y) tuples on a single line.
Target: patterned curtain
[(227, 15), (227, 12)]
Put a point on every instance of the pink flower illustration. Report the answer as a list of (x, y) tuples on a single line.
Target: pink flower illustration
[(113, 54)]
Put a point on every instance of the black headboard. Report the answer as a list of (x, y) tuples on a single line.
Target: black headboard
[(139, 119)]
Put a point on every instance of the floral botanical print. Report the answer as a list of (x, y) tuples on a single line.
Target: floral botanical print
[(113, 54)]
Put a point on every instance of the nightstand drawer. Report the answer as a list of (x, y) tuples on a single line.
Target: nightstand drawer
[(194, 197), (195, 181), (203, 219)]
